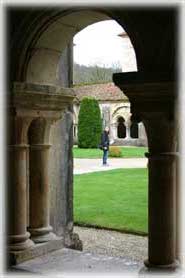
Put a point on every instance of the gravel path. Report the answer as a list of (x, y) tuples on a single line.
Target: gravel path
[(111, 243)]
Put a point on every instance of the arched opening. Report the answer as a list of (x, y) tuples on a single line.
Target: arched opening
[(60, 74), (37, 43), (43, 68), (134, 130), (51, 63), (121, 128)]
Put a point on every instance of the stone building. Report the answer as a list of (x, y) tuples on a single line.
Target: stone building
[(39, 118), (115, 113)]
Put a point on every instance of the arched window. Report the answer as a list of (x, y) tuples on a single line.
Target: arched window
[(121, 128), (134, 130)]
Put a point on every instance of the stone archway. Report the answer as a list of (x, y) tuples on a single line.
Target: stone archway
[(35, 50), (39, 68), (52, 49)]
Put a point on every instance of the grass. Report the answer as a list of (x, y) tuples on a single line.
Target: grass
[(115, 199), (127, 152)]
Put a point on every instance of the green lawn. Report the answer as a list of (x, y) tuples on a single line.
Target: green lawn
[(115, 199), (127, 152)]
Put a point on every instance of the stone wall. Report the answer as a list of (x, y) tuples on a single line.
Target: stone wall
[(61, 160), (59, 173)]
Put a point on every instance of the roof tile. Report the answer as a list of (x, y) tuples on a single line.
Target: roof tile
[(101, 92)]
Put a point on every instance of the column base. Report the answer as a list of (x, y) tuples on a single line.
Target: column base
[(37, 250), (167, 267), (40, 235), (21, 245), (20, 242), (43, 238)]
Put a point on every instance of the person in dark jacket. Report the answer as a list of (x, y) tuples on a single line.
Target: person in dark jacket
[(105, 145)]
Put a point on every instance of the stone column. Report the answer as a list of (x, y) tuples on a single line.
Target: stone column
[(45, 104), (179, 200), (114, 131), (17, 182), (39, 227), (127, 131), (153, 99), (162, 189)]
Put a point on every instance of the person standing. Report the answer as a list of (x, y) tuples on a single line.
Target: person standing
[(105, 145)]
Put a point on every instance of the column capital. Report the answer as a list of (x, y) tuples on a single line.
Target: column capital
[(148, 92), (46, 97), (153, 99), (30, 101), (39, 132), (17, 129), (133, 83)]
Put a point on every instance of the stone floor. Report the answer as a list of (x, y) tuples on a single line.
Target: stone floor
[(106, 253), (66, 261)]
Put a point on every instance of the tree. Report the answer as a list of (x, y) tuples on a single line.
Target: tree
[(94, 73), (89, 123)]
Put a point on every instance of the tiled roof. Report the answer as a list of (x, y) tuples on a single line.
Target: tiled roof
[(101, 92)]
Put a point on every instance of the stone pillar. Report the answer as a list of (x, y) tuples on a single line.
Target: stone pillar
[(106, 116), (161, 218), (160, 128), (153, 99), (39, 227), (45, 104), (142, 135), (18, 236), (127, 131), (114, 131), (179, 200)]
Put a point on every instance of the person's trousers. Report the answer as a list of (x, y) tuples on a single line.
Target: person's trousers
[(105, 156)]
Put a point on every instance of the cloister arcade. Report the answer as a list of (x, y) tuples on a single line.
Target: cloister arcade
[(40, 206), (117, 116)]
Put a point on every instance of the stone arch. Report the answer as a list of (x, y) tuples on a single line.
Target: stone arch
[(36, 22), (149, 86), (42, 49), (39, 64), (121, 110), (121, 128), (54, 44)]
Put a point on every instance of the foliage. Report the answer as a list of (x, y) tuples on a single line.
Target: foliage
[(126, 152), (115, 151), (89, 123), (93, 74), (115, 199)]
